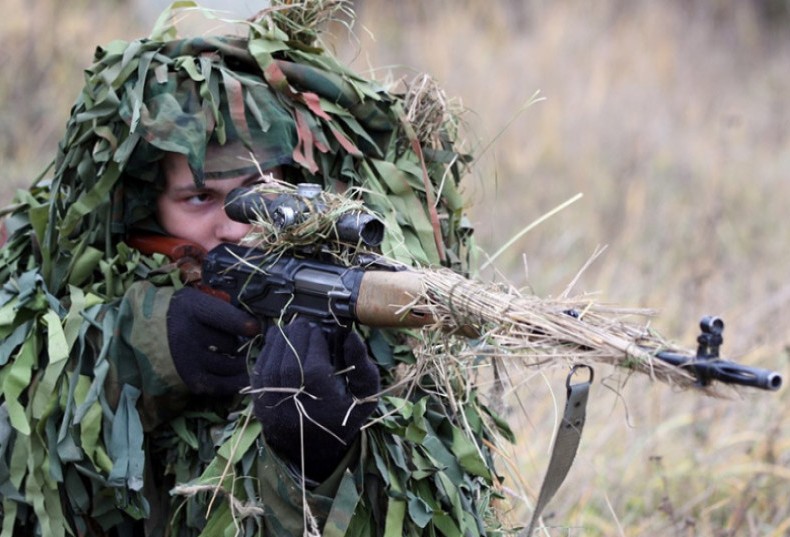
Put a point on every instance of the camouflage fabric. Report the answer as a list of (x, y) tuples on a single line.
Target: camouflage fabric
[(139, 356), (212, 105), (96, 436)]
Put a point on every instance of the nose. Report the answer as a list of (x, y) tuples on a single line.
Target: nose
[(228, 230)]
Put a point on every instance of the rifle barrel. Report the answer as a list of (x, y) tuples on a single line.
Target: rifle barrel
[(707, 370)]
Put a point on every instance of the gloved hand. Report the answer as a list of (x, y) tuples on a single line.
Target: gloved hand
[(319, 398), (203, 334)]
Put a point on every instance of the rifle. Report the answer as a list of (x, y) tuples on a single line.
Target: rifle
[(311, 282), (379, 295)]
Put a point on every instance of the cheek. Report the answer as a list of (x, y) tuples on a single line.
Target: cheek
[(168, 215), (201, 227), (177, 221)]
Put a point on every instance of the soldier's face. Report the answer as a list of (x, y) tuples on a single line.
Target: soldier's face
[(197, 214)]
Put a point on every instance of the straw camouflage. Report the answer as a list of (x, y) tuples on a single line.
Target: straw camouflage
[(75, 403)]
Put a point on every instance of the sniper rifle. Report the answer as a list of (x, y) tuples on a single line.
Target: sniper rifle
[(377, 293)]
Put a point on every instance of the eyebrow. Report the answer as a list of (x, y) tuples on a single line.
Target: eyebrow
[(250, 179), (256, 178), (188, 189)]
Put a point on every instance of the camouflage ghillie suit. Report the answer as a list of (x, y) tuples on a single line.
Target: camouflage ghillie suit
[(98, 435)]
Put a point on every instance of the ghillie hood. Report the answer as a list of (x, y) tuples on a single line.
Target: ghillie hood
[(279, 101)]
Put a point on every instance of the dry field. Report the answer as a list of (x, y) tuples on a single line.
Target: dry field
[(669, 118)]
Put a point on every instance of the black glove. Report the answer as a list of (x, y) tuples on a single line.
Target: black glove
[(203, 334), (322, 396)]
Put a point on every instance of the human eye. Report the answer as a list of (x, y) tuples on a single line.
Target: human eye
[(199, 199)]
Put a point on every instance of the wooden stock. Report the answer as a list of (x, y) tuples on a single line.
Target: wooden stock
[(187, 256)]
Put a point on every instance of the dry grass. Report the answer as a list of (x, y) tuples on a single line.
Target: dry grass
[(46, 45), (670, 118), (523, 330)]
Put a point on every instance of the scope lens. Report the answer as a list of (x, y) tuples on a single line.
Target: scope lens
[(372, 232)]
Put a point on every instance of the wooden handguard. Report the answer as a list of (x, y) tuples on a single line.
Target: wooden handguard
[(385, 296)]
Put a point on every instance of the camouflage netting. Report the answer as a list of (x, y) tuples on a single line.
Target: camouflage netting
[(65, 451)]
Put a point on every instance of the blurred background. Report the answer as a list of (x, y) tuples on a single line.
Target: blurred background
[(670, 118)]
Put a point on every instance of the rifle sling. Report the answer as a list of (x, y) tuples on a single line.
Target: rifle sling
[(566, 442)]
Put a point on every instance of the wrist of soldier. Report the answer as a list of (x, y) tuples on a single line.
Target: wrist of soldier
[(321, 456)]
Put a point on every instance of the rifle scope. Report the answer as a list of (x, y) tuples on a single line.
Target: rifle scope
[(284, 211)]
